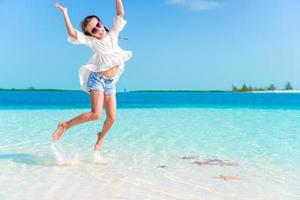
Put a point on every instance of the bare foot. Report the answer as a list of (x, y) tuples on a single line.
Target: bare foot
[(61, 128), (98, 143)]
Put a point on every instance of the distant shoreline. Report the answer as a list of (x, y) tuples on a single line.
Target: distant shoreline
[(62, 90), (188, 91), (277, 91), (225, 91), (36, 90), (180, 91)]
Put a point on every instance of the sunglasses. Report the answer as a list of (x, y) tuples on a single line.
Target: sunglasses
[(96, 28)]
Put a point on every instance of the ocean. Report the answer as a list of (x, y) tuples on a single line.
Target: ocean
[(163, 145)]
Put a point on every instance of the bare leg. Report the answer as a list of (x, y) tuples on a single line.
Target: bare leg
[(96, 98), (111, 113)]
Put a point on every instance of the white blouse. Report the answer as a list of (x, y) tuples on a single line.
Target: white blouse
[(106, 52)]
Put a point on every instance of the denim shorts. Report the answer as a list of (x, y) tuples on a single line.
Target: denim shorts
[(97, 81)]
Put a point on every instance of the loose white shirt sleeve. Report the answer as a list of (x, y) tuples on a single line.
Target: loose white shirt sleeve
[(118, 25), (81, 39)]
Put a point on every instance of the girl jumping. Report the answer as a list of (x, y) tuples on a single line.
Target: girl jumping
[(99, 76)]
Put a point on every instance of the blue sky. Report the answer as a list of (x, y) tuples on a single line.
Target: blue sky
[(176, 44)]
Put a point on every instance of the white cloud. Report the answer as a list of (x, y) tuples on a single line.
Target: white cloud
[(196, 5)]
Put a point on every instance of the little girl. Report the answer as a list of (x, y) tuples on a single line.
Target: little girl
[(100, 75)]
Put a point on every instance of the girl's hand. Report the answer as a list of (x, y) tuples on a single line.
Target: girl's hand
[(60, 7)]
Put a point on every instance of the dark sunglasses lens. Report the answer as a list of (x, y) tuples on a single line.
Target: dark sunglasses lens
[(99, 24), (94, 31)]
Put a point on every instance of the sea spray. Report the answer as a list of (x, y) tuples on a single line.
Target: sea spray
[(62, 157), (98, 158)]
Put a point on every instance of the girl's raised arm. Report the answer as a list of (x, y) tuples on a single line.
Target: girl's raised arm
[(70, 29), (120, 8)]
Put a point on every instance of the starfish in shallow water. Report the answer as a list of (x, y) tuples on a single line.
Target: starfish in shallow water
[(227, 178), (189, 157), (215, 162)]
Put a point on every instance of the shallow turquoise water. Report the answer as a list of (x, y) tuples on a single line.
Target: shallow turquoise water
[(264, 142)]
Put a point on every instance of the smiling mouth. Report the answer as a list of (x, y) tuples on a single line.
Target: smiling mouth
[(101, 32)]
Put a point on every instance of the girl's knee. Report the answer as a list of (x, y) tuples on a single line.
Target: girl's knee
[(95, 115), (112, 119)]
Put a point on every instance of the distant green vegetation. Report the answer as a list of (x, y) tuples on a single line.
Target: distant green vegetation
[(30, 89), (178, 91), (249, 88)]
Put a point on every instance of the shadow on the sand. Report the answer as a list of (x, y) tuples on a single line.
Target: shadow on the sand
[(28, 159)]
